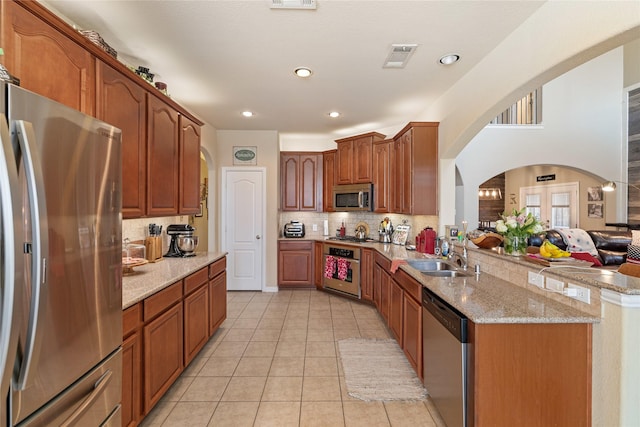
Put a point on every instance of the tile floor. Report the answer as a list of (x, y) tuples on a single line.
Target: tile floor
[(274, 362)]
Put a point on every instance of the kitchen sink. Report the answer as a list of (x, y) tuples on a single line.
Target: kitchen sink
[(438, 268)]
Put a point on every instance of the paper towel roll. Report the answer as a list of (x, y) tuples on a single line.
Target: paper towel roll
[(325, 229)]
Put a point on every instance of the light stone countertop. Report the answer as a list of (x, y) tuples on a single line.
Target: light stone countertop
[(153, 277)]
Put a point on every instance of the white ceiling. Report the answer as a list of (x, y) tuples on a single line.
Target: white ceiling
[(220, 57)]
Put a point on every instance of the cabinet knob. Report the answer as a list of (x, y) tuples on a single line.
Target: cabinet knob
[(258, 236)]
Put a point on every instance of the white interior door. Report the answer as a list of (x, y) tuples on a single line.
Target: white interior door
[(556, 205), (243, 219)]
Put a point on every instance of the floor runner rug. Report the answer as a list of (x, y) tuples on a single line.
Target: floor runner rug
[(376, 369)]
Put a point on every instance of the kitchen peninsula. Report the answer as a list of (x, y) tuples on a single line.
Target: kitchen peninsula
[(170, 310)]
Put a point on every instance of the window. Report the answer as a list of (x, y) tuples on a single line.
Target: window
[(527, 111), (555, 205)]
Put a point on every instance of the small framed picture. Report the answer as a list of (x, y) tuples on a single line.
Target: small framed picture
[(594, 194), (244, 155), (595, 210)]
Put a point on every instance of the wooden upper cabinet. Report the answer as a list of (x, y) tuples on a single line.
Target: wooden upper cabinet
[(162, 158), (354, 158), (301, 181), (189, 167), (382, 176), (414, 167), (122, 103), (328, 178), (45, 59)]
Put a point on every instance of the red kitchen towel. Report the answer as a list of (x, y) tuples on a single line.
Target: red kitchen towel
[(343, 268), (329, 266), (396, 263)]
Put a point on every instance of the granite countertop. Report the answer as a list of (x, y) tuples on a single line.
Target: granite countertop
[(152, 277)]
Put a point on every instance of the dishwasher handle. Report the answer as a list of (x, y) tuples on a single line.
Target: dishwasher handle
[(454, 321)]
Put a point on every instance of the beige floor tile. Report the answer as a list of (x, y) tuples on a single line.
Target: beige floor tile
[(365, 414), (219, 367), (375, 333), (345, 392), (238, 334), (244, 389), (320, 335), (317, 389), (194, 367), (341, 334), (320, 367), (158, 414), (409, 414), (266, 335), (260, 349), (178, 388), (293, 335), (271, 323), (321, 414), (278, 414), (253, 367), (234, 414), (282, 389), (205, 389), (290, 349), (190, 414), (246, 323), (230, 349), (321, 349), (287, 367)]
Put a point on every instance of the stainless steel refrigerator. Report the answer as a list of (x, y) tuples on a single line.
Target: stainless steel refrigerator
[(61, 260)]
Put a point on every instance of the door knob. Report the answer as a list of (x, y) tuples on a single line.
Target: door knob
[(258, 236)]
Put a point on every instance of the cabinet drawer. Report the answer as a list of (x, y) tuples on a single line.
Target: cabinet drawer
[(164, 299), (217, 267), (305, 245), (382, 261), (131, 319), (409, 284), (195, 280)]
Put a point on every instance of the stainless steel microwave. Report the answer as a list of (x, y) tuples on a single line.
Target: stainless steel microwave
[(353, 197)]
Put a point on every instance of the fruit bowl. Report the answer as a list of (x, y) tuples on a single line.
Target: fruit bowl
[(487, 240)]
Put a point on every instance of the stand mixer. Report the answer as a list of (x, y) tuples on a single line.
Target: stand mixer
[(183, 242)]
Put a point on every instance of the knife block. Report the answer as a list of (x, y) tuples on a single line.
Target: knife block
[(153, 246)]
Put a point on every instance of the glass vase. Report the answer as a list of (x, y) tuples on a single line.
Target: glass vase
[(515, 245)]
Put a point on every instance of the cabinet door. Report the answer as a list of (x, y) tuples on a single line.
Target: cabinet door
[(407, 173), (377, 286), (344, 163), (381, 177), (47, 61), (131, 379), (189, 167), (310, 182), (163, 354), (217, 302), (290, 182), (196, 322), (366, 274), (363, 160), (163, 158), (412, 332), (295, 264), (397, 174), (385, 294), (328, 179), (318, 268), (396, 296), (122, 103)]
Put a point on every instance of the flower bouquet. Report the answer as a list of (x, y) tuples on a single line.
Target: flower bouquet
[(516, 229)]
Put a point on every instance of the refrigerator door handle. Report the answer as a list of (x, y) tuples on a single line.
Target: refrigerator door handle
[(10, 206), (97, 391), (39, 248)]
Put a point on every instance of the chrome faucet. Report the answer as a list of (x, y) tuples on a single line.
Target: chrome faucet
[(460, 260)]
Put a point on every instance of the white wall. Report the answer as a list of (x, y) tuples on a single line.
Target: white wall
[(582, 116)]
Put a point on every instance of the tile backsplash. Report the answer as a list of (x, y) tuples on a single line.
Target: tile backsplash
[(351, 219), (137, 229)]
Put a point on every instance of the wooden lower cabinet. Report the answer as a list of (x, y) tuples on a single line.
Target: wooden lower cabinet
[(196, 322), (318, 267), (295, 264), (163, 354), (385, 294), (131, 366), (366, 274), (218, 302), (396, 296), (412, 332)]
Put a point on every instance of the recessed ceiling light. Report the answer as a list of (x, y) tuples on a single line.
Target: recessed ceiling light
[(449, 59), (303, 72), (247, 113), (334, 114)]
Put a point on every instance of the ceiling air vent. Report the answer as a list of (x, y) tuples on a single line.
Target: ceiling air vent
[(293, 4), (399, 55)]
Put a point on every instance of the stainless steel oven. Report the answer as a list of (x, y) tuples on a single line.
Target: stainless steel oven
[(341, 269)]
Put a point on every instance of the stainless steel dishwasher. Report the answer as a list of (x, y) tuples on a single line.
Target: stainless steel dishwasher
[(446, 365)]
